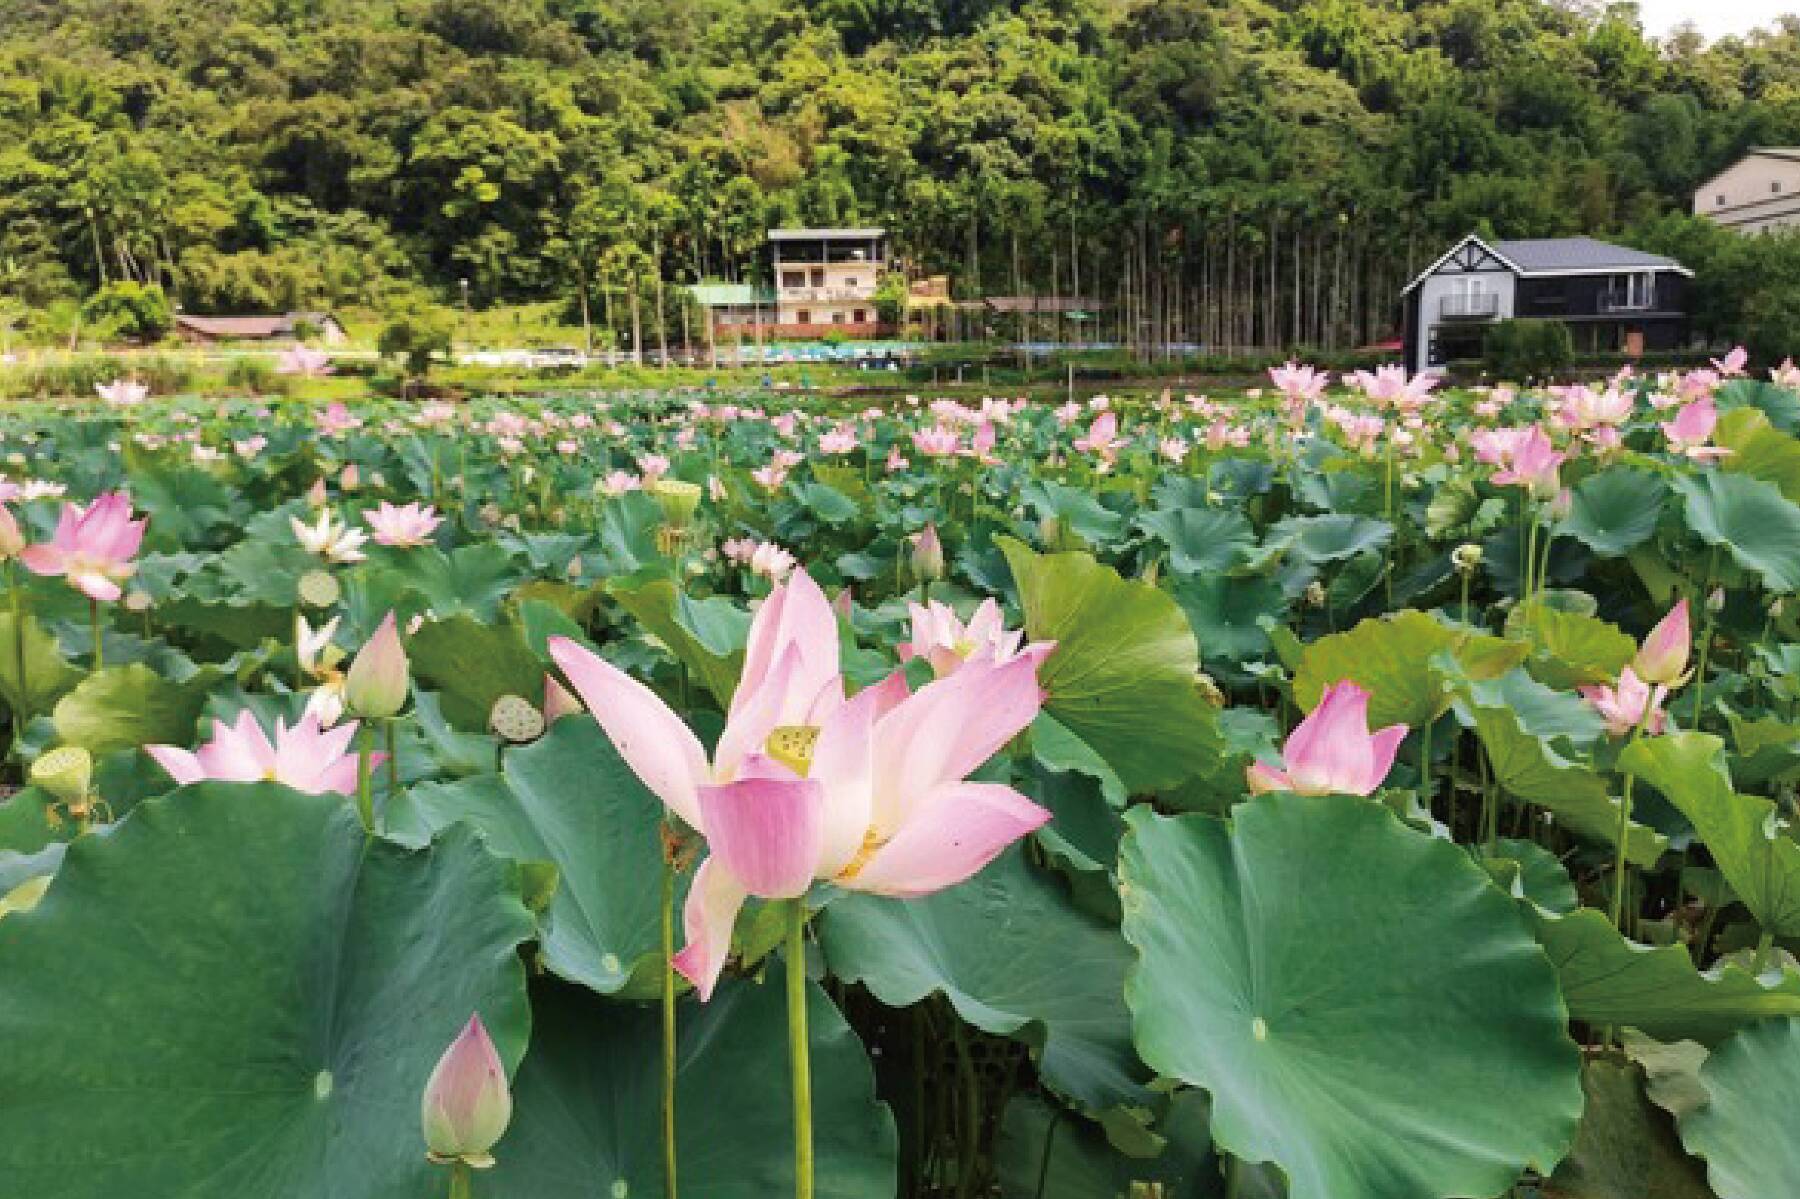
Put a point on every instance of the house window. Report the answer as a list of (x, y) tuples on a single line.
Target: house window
[(818, 277), (1775, 187), (1721, 199), (837, 318), (793, 278), (856, 318), (805, 316), (853, 283)]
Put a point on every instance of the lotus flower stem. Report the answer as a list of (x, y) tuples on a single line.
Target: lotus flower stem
[(1764, 944), (462, 1181), (1620, 865), (971, 1109), (14, 585), (94, 619), (668, 1025), (799, 1049), (365, 799), (393, 760)]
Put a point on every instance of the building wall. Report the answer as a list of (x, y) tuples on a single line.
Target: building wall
[(827, 283), (1431, 296), (1758, 195), (827, 315)]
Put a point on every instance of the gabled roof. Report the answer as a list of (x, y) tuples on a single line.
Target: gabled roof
[(827, 234), (1784, 153), (1553, 256), (253, 328)]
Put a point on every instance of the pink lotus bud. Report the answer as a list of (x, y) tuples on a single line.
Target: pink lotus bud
[(928, 555), (1663, 657), (467, 1103), (378, 680), (316, 495), (558, 703), (12, 541), (350, 479), (1332, 751)]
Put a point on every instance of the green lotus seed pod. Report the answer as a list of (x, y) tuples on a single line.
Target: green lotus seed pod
[(678, 500), (319, 589), (66, 773), (515, 720)]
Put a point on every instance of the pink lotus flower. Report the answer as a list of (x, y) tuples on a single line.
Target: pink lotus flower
[(1532, 463), (1786, 375), (1332, 752), (467, 1103), (304, 757), (1692, 428), (1301, 384), (304, 362), (92, 547), (1732, 365), (867, 792), (123, 393), (1102, 439), (1391, 385), (12, 540), (935, 442), (941, 638), (402, 527), (1631, 704), (1663, 656), (338, 419)]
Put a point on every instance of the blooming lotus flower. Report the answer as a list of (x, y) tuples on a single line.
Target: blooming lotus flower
[(123, 393), (942, 639), (1733, 364), (329, 540), (304, 362), (402, 527), (304, 757), (935, 442), (1663, 657), (1391, 385), (1102, 438), (1532, 463), (92, 547), (1786, 375), (467, 1103), (1692, 428), (338, 419), (1301, 384), (808, 784), (1332, 752), (1629, 705)]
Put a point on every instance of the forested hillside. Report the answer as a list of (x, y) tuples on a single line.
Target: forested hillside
[(1246, 170)]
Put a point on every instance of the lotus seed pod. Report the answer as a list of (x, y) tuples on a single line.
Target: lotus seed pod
[(515, 720), (319, 589), (678, 500), (138, 600), (1467, 558), (66, 773)]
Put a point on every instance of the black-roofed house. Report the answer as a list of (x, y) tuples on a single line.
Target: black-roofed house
[(1615, 300)]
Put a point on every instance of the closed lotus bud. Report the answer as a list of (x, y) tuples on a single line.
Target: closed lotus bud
[(928, 555), (678, 500), (1467, 558), (316, 495), (67, 774), (350, 479), (558, 703), (378, 679), (12, 541), (1663, 657), (467, 1103)]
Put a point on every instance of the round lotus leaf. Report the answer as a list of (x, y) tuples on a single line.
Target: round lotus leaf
[(1367, 1009)]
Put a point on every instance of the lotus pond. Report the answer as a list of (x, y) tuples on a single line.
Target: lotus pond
[(1351, 790)]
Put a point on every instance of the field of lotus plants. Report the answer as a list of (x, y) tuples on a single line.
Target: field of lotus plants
[(1351, 789)]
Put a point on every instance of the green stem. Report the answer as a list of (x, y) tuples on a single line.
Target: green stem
[(94, 619), (971, 1111), (462, 1181), (20, 715), (799, 1050), (365, 799), (1764, 944), (1706, 640), (668, 1025), (393, 761), (1620, 865), (1425, 787)]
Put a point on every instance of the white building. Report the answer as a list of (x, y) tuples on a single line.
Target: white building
[(1759, 193), (826, 280)]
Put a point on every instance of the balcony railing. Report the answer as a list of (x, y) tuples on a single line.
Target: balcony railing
[(814, 295), (1627, 301), (1470, 307)]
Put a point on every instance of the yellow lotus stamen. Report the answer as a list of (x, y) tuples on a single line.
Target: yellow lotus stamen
[(792, 745), (872, 841)]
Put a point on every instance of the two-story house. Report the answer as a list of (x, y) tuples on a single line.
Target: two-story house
[(1615, 300), (1759, 193), (826, 279)]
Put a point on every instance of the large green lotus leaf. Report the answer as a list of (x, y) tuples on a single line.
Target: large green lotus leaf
[(1749, 517), (587, 1102), (1610, 981), (1759, 450), (1016, 957), (1570, 649), (1390, 658), (236, 992), (123, 707), (1228, 611), (1530, 769), (1529, 871), (1779, 404), (1757, 858), (1615, 511), (707, 636), (1078, 510), (1202, 541), (470, 580), (1626, 1148), (1330, 538), (1369, 1012), (47, 675), (570, 800), (473, 663), (1748, 1131), (1122, 676)]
